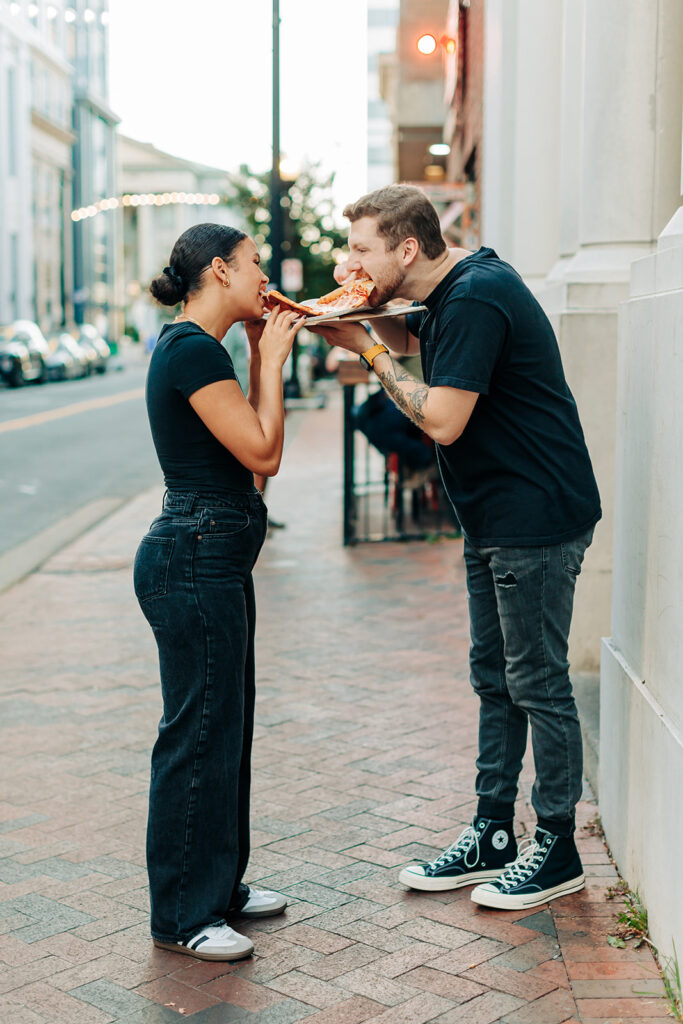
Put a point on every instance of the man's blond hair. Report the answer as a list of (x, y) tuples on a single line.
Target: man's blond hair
[(401, 211)]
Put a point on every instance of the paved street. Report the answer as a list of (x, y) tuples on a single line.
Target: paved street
[(363, 760), (71, 443)]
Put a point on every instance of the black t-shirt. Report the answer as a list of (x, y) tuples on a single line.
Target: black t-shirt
[(520, 474), (185, 359)]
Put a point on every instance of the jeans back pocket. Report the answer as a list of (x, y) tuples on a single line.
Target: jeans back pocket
[(152, 563)]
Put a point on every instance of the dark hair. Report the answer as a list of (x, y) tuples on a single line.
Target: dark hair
[(401, 211), (191, 255)]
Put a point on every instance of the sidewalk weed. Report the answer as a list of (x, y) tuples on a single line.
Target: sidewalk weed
[(671, 973), (594, 828), (632, 924), (632, 921)]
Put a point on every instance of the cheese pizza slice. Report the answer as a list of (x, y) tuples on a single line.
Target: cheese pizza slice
[(274, 299), (353, 293)]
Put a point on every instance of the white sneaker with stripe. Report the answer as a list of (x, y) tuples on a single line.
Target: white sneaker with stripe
[(215, 942)]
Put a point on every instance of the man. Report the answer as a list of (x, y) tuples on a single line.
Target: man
[(515, 466)]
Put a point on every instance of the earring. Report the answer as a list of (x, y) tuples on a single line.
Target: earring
[(226, 283)]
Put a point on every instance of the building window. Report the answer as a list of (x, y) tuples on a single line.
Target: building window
[(14, 276), (377, 108), (12, 121), (382, 18)]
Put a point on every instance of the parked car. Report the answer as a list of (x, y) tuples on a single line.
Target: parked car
[(66, 359), (90, 339), (23, 353)]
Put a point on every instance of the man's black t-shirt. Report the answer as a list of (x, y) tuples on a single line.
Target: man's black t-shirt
[(185, 359), (520, 474)]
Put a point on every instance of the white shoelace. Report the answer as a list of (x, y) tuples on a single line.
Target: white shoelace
[(467, 841), (529, 858)]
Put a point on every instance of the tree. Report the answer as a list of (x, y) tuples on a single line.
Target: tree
[(309, 231)]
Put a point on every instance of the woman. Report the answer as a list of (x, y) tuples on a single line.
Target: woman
[(193, 581)]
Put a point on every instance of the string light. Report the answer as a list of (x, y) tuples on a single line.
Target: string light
[(146, 199), (70, 14)]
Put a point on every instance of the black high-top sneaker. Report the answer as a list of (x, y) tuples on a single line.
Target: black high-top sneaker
[(547, 866), (481, 852)]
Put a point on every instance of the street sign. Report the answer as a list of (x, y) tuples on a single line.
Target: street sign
[(292, 275)]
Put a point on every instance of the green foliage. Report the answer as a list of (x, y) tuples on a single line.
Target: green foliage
[(309, 231)]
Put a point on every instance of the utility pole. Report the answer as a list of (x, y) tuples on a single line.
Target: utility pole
[(275, 183)]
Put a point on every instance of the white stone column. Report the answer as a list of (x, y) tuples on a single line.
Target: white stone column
[(621, 97), (641, 698), (520, 200)]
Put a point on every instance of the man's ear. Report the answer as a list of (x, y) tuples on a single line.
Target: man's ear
[(411, 248)]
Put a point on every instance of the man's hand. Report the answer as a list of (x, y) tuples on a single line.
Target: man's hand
[(351, 336), (341, 272), (345, 269)]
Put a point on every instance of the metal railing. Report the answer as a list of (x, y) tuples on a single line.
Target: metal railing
[(379, 503)]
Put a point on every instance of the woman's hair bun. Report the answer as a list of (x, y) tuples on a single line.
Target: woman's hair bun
[(168, 288), (192, 254)]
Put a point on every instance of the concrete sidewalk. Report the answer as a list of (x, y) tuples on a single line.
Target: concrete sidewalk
[(365, 743)]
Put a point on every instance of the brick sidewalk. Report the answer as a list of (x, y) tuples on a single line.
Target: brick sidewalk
[(363, 761)]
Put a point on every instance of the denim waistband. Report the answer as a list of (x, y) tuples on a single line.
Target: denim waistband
[(186, 502)]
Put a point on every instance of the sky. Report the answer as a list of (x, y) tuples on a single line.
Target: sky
[(194, 78)]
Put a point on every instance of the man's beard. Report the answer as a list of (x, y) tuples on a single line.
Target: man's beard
[(388, 287)]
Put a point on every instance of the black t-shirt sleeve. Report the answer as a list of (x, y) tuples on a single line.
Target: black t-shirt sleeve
[(470, 341), (413, 321), (196, 360)]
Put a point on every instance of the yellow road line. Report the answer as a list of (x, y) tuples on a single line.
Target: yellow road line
[(70, 410)]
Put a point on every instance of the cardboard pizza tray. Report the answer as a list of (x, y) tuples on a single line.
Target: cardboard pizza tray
[(361, 314)]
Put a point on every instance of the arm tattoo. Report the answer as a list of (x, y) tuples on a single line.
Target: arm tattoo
[(410, 401)]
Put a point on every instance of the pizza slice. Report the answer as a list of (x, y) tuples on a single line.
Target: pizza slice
[(274, 299), (353, 293)]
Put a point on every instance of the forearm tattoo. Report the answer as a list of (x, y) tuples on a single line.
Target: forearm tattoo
[(409, 400)]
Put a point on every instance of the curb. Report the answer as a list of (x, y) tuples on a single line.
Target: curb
[(27, 557)]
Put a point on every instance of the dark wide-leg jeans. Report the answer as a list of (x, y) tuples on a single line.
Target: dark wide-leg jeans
[(520, 605), (193, 581)]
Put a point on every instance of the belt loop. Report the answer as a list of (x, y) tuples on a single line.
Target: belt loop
[(189, 503)]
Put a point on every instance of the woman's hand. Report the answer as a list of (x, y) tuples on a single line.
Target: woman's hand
[(254, 330), (278, 336)]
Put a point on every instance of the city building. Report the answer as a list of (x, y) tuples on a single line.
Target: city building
[(417, 82), (94, 123), (36, 142), (160, 197), (463, 128), (56, 153), (383, 17)]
